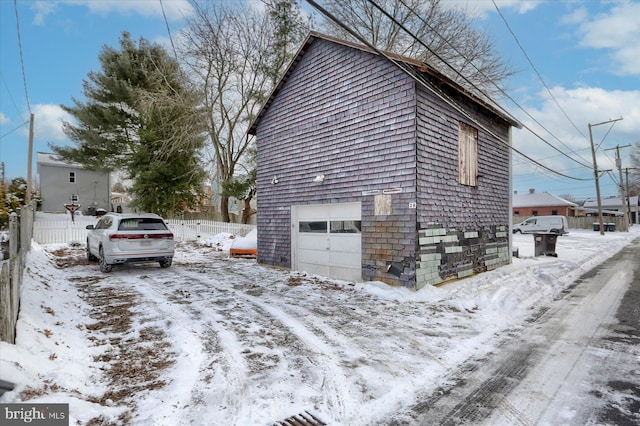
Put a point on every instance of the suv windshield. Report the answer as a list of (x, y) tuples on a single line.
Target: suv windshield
[(142, 224)]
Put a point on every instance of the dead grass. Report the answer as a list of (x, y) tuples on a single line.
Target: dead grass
[(130, 365)]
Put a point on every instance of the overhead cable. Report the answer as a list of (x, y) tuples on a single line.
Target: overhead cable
[(24, 77), (534, 68), (430, 88), (168, 31), (583, 163)]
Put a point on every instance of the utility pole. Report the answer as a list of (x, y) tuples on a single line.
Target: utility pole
[(595, 171), (626, 172), (27, 197), (625, 220)]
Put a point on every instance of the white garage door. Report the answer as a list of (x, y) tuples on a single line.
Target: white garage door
[(326, 240)]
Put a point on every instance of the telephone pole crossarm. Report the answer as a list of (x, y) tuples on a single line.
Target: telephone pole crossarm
[(595, 171)]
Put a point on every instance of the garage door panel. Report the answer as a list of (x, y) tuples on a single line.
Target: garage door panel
[(312, 242), (344, 243), (318, 257), (344, 260), (328, 240)]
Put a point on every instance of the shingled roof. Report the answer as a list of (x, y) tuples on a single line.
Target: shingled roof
[(541, 199), (421, 67)]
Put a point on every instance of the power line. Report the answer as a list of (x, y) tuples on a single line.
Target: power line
[(14, 129), (24, 76), (584, 164), (427, 85), (15, 105), (534, 68), (168, 31), (466, 79)]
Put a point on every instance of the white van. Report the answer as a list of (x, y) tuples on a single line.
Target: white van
[(541, 224)]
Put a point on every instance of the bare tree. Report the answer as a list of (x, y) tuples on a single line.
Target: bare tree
[(444, 38), (236, 53)]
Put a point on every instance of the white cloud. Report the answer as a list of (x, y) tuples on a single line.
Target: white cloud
[(4, 119), (586, 105), (42, 9), (47, 122), (480, 9), (577, 16), (175, 10), (617, 31)]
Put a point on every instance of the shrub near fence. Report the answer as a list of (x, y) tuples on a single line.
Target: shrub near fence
[(66, 231)]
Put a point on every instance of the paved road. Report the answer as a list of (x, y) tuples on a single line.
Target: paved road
[(576, 362)]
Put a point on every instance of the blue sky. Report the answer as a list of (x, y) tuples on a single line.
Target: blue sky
[(587, 52)]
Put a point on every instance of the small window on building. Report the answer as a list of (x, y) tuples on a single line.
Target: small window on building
[(554, 212), (516, 212), (468, 155), (345, 227), (534, 212), (75, 198), (72, 177), (315, 227)]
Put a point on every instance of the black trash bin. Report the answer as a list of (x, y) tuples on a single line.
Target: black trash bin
[(545, 244), (596, 226), (610, 227)]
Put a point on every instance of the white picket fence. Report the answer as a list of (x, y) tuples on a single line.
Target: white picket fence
[(66, 231)]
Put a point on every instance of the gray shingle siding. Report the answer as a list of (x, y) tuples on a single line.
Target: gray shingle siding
[(343, 113), (472, 220), (368, 127)]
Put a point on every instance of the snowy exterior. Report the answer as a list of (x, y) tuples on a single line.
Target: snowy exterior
[(542, 204), (62, 183), (225, 342), (347, 131)]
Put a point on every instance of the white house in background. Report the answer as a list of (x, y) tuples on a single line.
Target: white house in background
[(65, 183), (614, 204)]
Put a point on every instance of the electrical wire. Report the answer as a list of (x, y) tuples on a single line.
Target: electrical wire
[(15, 105), (434, 90), (583, 163), (168, 31), (534, 68), (14, 129), (24, 76)]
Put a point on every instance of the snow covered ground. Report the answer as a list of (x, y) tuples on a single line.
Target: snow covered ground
[(220, 341)]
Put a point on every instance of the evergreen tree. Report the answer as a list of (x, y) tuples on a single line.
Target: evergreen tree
[(12, 199), (141, 117)]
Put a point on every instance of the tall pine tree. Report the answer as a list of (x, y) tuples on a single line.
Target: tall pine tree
[(140, 117)]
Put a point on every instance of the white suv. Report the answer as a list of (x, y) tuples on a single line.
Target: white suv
[(130, 238)]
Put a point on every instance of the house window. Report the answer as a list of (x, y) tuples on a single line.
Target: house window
[(72, 177), (534, 213), (554, 212), (516, 212), (468, 155), (314, 227), (75, 198)]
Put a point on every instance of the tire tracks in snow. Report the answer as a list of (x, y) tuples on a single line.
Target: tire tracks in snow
[(271, 329)]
